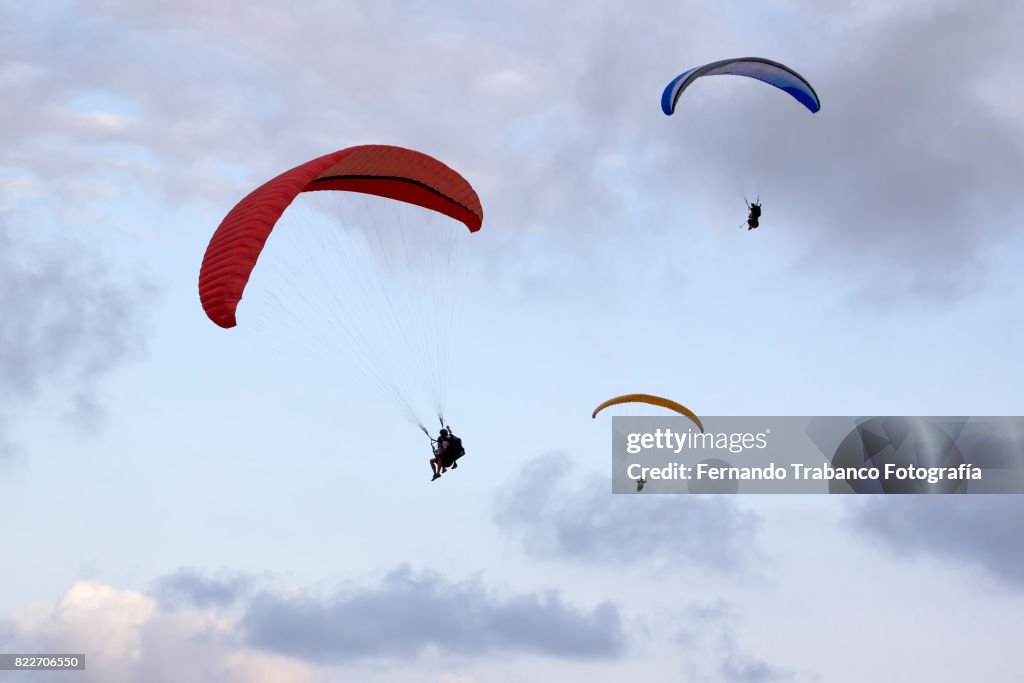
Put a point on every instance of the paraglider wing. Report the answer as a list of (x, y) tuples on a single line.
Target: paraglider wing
[(652, 400), (765, 70), (383, 170)]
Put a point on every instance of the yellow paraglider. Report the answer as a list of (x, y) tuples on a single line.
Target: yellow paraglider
[(652, 400)]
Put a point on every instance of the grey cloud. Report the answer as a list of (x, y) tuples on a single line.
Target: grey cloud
[(710, 628), (742, 669), (192, 587), (739, 667), (699, 618), (65, 324), (981, 532), (589, 524), (409, 613), (710, 612)]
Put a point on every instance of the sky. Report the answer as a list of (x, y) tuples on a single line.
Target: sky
[(183, 502)]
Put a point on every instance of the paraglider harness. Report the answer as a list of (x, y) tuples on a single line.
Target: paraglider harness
[(451, 452), (755, 213)]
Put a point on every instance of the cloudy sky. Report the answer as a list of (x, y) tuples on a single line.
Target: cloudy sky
[(183, 502)]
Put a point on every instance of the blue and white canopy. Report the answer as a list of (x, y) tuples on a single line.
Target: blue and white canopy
[(765, 70)]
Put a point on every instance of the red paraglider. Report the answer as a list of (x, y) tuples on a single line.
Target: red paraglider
[(383, 170)]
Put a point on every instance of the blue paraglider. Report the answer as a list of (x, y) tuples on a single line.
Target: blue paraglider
[(765, 70)]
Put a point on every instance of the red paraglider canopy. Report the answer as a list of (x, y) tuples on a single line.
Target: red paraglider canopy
[(392, 172)]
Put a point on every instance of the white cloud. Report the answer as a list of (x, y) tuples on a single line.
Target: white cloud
[(126, 638)]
